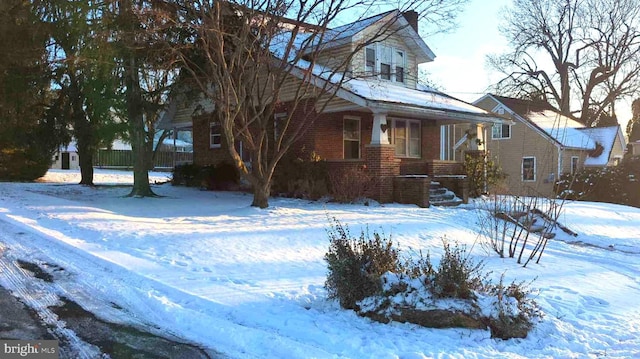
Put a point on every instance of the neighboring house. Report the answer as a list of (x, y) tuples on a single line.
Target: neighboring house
[(540, 144), (66, 158), (634, 148), (380, 119)]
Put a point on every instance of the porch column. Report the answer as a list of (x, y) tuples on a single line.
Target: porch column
[(381, 161), (379, 134)]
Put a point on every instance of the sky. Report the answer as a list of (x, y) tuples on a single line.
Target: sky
[(460, 67)]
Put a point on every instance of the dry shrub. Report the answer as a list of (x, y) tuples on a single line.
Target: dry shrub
[(351, 184)]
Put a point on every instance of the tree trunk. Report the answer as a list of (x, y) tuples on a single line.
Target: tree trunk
[(261, 192), (85, 159), (83, 132), (141, 187)]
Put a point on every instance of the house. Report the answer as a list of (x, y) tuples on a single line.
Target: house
[(380, 119), (541, 144), (66, 158)]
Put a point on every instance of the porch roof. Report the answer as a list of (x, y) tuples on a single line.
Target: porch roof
[(382, 96)]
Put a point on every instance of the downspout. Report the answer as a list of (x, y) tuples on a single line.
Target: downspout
[(560, 151)]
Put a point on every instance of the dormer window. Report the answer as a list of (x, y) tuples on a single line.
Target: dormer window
[(385, 62)]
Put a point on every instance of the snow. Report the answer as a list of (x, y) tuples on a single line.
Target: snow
[(563, 129), (606, 137), (249, 283)]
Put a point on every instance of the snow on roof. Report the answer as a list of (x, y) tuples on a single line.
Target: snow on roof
[(378, 90), (564, 130), (606, 137), (351, 29)]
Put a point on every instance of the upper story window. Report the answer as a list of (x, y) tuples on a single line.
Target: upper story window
[(500, 131), (386, 62)]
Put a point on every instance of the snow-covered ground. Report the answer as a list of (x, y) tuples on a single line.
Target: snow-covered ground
[(248, 282)]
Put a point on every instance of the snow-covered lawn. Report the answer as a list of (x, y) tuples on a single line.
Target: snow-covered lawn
[(249, 282)]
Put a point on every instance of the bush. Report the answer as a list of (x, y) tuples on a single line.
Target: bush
[(223, 176), (478, 167), (457, 276), (610, 184), (301, 176), (357, 264), (350, 185), (365, 274), (516, 311)]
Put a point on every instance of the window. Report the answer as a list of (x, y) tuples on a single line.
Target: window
[(370, 60), (278, 120), (351, 138), (500, 131), (406, 137), (574, 164), (528, 169), (399, 63), (386, 62), (215, 135), (243, 152)]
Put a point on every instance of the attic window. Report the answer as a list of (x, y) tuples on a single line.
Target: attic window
[(386, 62)]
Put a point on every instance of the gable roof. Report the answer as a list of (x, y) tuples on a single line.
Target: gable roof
[(520, 106), (564, 130), (606, 137), (348, 33)]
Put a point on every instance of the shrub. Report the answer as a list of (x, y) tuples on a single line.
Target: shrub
[(350, 185), (301, 176), (457, 276), (483, 173), (366, 275), (222, 176), (610, 184), (516, 310), (357, 264)]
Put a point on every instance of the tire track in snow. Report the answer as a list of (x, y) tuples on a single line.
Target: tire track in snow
[(38, 296)]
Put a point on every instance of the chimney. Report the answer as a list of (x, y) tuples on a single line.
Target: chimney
[(412, 18)]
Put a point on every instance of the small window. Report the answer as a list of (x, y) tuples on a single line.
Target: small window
[(500, 131), (574, 164), (215, 134), (399, 63), (351, 138), (370, 60), (73, 158), (528, 169)]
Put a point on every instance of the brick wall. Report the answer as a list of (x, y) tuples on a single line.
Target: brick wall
[(381, 163), (203, 154), (412, 190)]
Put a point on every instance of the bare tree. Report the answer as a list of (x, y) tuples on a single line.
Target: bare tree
[(579, 55), (255, 58)]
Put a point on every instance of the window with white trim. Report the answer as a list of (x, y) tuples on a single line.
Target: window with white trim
[(245, 155), (385, 62), (528, 169), (406, 136), (351, 138), (574, 164), (215, 134), (500, 131)]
